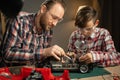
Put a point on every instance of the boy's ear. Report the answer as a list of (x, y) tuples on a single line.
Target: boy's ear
[(96, 22)]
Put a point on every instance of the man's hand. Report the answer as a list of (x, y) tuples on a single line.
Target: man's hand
[(86, 58), (54, 51)]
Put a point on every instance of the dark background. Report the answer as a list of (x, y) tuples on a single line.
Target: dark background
[(110, 19)]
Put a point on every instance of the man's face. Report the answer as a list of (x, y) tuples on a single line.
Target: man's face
[(49, 18)]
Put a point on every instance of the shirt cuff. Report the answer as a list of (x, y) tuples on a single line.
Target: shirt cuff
[(39, 54), (95, 56)]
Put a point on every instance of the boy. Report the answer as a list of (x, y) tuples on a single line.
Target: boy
[(90, 43)]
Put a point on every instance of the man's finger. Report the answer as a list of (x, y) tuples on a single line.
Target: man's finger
[(56, 56)]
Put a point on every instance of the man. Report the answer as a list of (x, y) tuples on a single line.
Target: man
[(90, 43), (28, 36)]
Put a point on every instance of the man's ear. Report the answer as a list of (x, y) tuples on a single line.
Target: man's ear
[(96, 22), (43, 9)]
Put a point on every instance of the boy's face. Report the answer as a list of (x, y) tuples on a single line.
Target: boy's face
[(89, 28)]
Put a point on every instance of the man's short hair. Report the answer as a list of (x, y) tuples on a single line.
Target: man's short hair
[(50, 3)]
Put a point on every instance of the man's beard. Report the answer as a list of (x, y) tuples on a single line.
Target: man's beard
[(43, 26), (42, 22)]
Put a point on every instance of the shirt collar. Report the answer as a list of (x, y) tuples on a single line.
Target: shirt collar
[(94, 34)]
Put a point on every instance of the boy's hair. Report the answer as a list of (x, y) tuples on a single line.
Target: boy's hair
[(50, 3), (84, 15)]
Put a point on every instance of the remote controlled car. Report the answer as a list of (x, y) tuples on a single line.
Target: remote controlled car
[(68, 64)]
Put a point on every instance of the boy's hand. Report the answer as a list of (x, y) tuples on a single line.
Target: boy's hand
[(86, 58)]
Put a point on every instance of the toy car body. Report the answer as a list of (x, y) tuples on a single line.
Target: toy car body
[(67, 65)]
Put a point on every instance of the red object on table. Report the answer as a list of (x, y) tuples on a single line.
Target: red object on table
[(5, 74)]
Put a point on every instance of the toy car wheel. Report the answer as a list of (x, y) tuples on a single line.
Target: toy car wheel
[(84, 68)]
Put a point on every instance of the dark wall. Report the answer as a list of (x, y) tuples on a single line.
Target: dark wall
[(116, 23), (110, 19)]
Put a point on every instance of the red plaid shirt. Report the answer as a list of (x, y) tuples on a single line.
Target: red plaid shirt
[(100, 44), (21, 41)]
